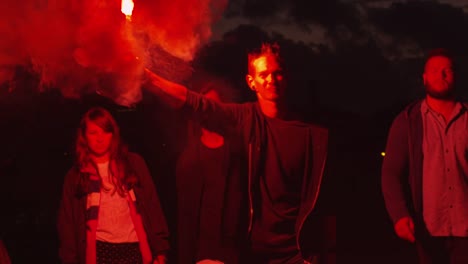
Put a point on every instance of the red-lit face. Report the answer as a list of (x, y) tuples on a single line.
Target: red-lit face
[(268, 79), (213, 95), (99, 141), (438, 77)]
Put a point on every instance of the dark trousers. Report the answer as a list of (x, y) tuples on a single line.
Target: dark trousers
[(443, 250)]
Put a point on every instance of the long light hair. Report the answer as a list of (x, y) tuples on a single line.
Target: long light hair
[(124, 178)]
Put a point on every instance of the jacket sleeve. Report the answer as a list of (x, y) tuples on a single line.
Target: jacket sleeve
[(157, 232), (66, 223), (395, 169), (216, 116)]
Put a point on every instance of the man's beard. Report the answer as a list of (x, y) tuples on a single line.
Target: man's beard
[(447, 94)]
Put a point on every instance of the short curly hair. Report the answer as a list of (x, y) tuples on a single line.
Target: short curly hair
[(440, 52)]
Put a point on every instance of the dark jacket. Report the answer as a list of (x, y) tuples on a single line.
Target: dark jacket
[(72, 219), (402, 165), (251, 123), (189, 175)]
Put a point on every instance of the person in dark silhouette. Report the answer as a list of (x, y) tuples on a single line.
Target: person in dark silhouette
[(4, 257), (209, 192)]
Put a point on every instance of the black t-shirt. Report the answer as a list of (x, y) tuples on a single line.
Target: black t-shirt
[(278, 193)]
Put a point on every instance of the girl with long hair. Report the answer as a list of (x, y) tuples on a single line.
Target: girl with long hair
[(110, 211)]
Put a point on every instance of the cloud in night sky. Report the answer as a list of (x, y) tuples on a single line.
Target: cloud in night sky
[(401, 28)]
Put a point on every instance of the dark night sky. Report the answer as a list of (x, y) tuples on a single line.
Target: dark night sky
[(371, 52)]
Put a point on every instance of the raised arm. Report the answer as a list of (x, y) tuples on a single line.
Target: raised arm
[(213, 115), (173, 93)]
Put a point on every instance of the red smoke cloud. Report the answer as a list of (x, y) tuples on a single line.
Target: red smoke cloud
[(178, 26), (84, 46)]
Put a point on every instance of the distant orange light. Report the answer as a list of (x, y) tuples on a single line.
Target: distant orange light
[(127, 8), (382, 154)]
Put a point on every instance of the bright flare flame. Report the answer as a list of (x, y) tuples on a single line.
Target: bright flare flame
[(127, 8)]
